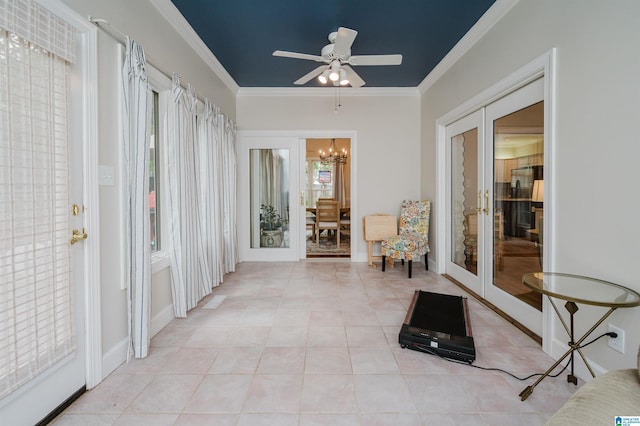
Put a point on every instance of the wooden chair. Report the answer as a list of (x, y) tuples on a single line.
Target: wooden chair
[(311, 224), (327, 217), (376, 228), (345, 223)]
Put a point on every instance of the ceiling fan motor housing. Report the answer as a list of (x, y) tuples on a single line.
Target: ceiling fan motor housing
[(327, 53)]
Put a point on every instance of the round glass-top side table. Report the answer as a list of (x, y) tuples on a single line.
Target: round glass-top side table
[(577, 289)]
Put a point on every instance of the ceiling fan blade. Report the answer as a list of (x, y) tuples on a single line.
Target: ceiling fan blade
[(294, 55), (309, 76), (376, 60), (354, 79), (344, 40)]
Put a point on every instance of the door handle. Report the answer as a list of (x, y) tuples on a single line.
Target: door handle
[(486, 202), (302, 198), (77, 236)]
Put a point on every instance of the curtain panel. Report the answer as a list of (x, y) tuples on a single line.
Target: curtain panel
[(211, 199), (190, 275), (136, 119), (224, 132)]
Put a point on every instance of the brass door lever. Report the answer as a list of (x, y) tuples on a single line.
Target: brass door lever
[(77, 236)]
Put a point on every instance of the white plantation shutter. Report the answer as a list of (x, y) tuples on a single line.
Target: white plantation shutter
[(36, 327)]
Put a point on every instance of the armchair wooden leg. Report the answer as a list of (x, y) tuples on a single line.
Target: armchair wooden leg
[(410, 262), (426, 263), (384, 261)]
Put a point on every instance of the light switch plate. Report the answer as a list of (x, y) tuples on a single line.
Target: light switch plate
[(106, 175)]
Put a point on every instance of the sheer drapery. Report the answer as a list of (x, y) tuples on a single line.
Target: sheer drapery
[(226, 139), (272, 181), (340, 188), (190, 274), (217, 190), (36, 312), (136, 122)]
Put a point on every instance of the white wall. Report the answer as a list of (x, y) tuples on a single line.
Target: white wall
[(142, 22), (596, 151), (388, 139)]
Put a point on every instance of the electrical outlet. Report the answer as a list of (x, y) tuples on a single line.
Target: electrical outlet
[(618, 342)]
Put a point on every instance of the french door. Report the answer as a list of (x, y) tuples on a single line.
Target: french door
[(495, 187), (42, 211), (268, 182)]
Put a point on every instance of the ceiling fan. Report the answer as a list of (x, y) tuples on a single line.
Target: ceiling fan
[(338, 60)]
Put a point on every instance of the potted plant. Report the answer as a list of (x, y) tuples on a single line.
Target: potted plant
[(271, 234)]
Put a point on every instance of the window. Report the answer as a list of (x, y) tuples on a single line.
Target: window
[(154, 175), (320, 183)]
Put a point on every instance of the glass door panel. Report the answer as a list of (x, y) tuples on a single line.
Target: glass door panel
[(268, 197), (519, 163), (465, 183), (514, 147)]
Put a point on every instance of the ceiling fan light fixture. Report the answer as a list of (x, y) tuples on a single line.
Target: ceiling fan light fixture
[(334, 75), (322, 78), (344, 80)]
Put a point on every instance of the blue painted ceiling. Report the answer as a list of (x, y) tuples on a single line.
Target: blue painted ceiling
[(243, 34)]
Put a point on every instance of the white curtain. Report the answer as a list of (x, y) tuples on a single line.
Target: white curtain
[(136, 120), (217, 171), (340, 186), (271, 182), (225, 138), (190, 275), (210, 203)]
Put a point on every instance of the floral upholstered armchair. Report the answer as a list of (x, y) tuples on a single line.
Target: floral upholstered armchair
[(413, 239)]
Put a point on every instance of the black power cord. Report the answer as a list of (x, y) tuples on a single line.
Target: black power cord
[(428, 350)]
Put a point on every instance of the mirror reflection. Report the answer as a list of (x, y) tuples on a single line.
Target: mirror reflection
[(269, 195)]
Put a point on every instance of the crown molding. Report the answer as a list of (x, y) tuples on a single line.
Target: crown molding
[(484, 24), (173, 16), (345, 92)]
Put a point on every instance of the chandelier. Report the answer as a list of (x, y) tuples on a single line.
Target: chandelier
[(333, 156)]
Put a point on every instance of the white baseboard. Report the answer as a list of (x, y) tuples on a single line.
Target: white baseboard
[(118, 354), (558, 349), (114, 357), (163, 318)]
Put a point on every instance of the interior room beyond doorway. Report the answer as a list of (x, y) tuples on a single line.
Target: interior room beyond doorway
[(328, 176)]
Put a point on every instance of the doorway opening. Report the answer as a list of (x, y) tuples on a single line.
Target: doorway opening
[(327, 188)]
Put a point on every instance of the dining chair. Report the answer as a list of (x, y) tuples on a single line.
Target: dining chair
[(311, 225), (345, 222), (327, 217), (412, 240)]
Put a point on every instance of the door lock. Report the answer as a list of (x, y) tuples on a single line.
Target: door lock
[(77, 236)]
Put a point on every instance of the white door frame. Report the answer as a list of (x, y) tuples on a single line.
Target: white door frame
[(543, 66), (301, 136)]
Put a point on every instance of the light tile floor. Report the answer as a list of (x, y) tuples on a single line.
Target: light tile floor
[(316, 343)]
